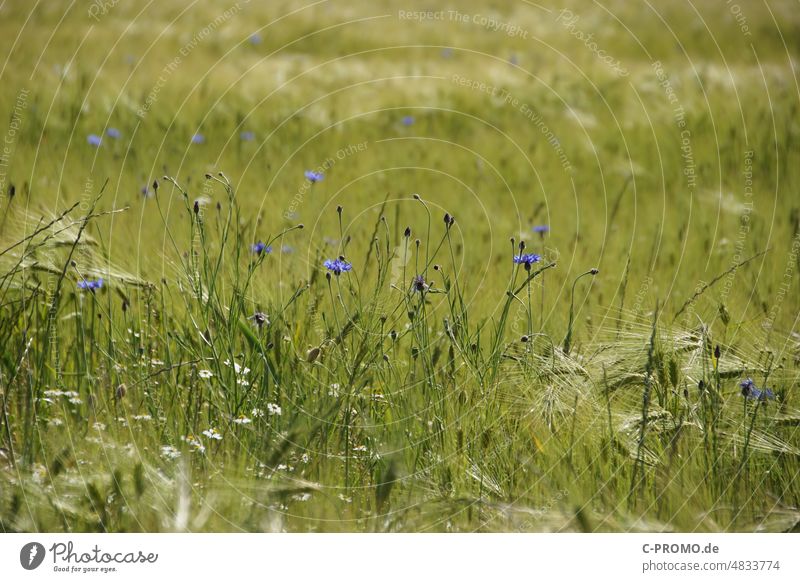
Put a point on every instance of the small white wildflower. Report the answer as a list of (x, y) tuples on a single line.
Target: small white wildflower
[(212, 433), (302, 497), (155, 363), (334, 390), (55, 422), (99, 426), (360, 449), (242, 382), (274, 409), (143, 417), (75, 401), (239, 369), (305, 458), (344, 498), (257, 413), (170, 452), (242, 420), (194, 444), (205, 374)]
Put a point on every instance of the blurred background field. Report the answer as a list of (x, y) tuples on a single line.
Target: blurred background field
[(658, 143)]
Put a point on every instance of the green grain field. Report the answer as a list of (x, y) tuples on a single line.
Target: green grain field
[(562, 284)]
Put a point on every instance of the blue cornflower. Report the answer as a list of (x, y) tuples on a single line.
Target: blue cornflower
[(408, 120), (255, 38), (337, 266), (94, 140), (313, 176), (113, 133), (247, 136), (88, 285), (198, 138), (260, 247), (751, 392), (419, 284), (527, 260), (287, 249), (541, 228)]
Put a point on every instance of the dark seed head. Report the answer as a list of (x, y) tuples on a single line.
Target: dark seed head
[(407, 232), (594, 271), (196, 207), (717, 352)]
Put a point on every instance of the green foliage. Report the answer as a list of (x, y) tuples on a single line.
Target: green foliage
[(207, 387)]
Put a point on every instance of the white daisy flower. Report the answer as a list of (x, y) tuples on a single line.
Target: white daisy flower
[(170, 452), (213, 433)]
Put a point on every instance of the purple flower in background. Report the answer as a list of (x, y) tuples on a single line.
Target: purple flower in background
[(419, 284), (447, 53), (541, 229), (313, 176), (94, 140), (287, 249), (113, 133), (88, 285), (260, 247), (337, 266), (255, 38), (408, 120), (751, 392), (247, 136), (198, 138)]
